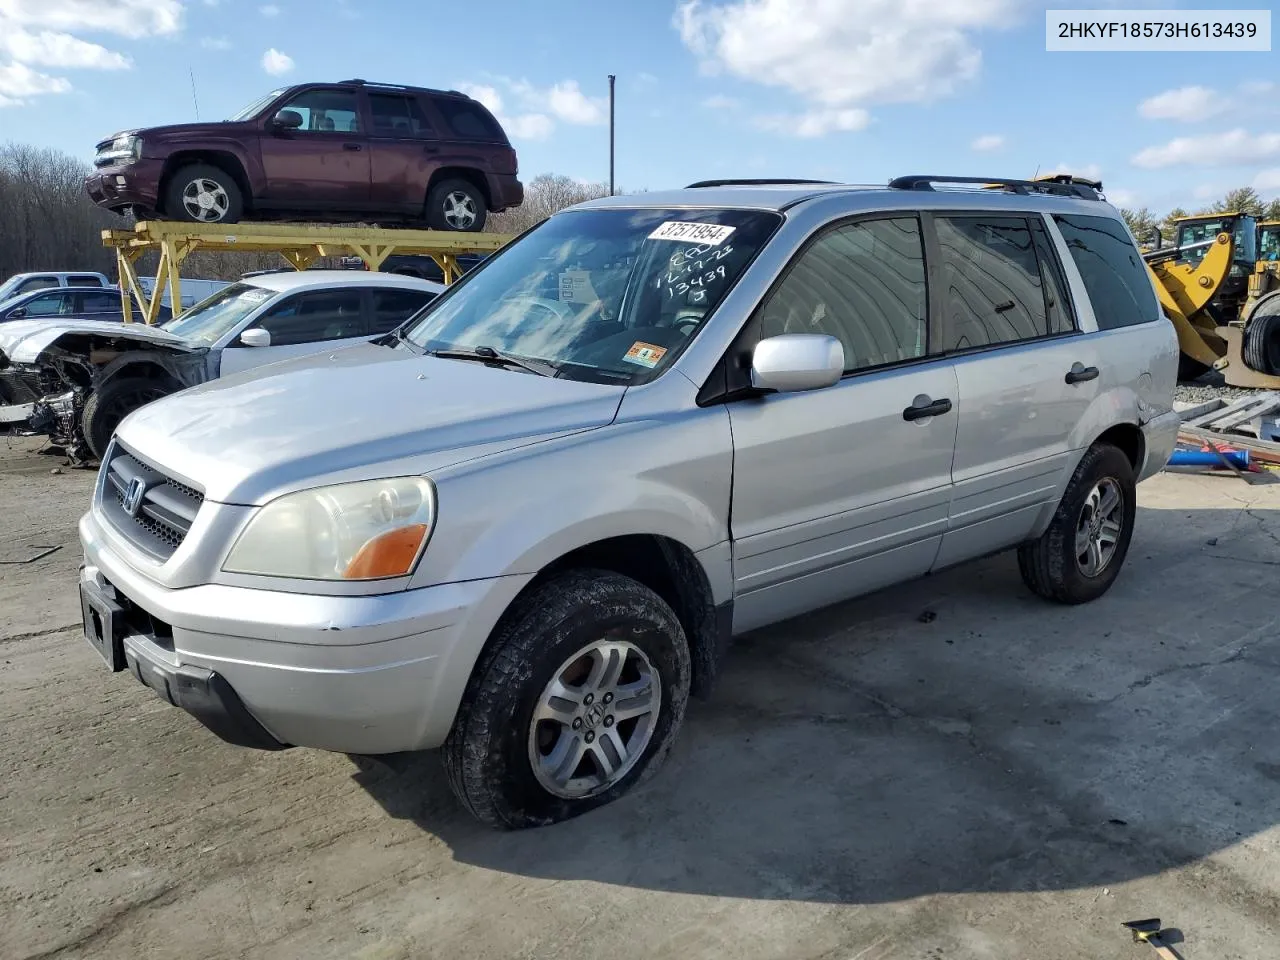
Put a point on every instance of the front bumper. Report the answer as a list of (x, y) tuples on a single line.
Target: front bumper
[(118, 188), (355, 674)]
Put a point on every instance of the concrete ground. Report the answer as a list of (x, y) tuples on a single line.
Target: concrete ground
[(1007, 779)]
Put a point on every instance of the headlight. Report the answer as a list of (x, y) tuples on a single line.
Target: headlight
[(124, 149), (368, 530)]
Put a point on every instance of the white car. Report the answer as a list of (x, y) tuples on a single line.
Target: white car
[(76, 380)]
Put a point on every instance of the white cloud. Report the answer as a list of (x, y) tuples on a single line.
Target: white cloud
[(215, 43), (1123, 198), (1090, 171), (1267, 181), (276, 63), (720, 102), (643, 77), (529, 126), (565, 101), (487, 95), (1186, 104), (49, 49), (988, 143), (18, 81), (1254, 88), (1233, 148), (815, 123), (843, 54), (128, 18), (269, 10)]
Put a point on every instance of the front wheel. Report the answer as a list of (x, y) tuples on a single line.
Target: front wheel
[(201, 193), (577, 699), (1080, 555), (456, 205), (111, 403)]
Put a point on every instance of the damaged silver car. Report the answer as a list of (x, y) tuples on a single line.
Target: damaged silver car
[(75, 380)]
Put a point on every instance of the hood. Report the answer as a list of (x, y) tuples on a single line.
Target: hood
[(356, 413), (177, 130), (22, 341)]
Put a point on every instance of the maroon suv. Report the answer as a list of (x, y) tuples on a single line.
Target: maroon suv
[(319, 152)]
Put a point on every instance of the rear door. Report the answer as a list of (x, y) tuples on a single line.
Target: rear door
[(846, 489), (391, 307), (301, 324), (1026, 373), (326, 160), (99, 305), (404, 150)]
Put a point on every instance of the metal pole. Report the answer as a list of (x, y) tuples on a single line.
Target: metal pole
[(611, 79)]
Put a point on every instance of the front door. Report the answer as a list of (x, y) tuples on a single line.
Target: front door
[(843, 490), (326, 159), (302, 324), (1027, 376)]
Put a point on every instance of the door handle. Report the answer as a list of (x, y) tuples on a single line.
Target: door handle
[(924, 407), (430, 149), (1079, 373), (351, 146)]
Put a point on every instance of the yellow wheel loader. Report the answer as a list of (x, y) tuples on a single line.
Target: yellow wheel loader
[(1220, 291)]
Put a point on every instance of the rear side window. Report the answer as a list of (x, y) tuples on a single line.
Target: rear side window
[(315, 317), (991, 287), (468, 120), (862, 283), (100, 303), (395, 115), (393, 307), (1113, 272), (83, 281)]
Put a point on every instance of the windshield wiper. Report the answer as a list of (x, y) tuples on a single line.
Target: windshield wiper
[(543, 368)]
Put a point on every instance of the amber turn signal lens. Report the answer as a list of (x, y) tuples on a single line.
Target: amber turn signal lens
[(389, 554)]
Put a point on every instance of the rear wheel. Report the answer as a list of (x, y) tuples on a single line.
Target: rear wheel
[(111, 403), (201, 193), (577, 699), (456, 205), (1080, 555)]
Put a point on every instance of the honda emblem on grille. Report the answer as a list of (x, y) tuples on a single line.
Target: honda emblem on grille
[(132, 499)]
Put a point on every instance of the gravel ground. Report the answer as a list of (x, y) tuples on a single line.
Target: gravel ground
[(1207, 387)]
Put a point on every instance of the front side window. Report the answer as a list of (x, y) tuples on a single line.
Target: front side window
[(214, 317), (326, 111), (51, 304), (610, 296), (1114, 274), (991, 290), (36, 283), (398, 116), (862, 283), (315, 317)]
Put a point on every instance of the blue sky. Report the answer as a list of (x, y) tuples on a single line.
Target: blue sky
[(857, 90)]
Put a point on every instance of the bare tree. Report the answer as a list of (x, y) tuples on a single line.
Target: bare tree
[(544, 195)]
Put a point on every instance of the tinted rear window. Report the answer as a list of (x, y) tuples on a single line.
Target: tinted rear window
[(1113, 272), (468, 120)]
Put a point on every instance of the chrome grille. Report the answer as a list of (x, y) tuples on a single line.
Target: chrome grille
[(152, 510)]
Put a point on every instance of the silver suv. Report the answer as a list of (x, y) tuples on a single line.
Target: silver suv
[(524, 527)]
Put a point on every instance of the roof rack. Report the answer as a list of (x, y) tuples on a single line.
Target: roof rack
[(358, 82), (767, 181), (1062, 185)]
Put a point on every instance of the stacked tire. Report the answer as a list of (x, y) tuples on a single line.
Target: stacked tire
[(1262, 336)]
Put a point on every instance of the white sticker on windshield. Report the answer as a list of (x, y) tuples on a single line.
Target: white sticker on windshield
[(709, 233), (575, 287)]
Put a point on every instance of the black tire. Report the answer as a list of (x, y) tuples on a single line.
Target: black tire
[(487, 753), (441, 201), (183, 177), (1049, 565), (1190, 369), (1262, 336), (111, 403)]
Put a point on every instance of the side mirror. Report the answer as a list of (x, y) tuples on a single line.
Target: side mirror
[(256, 337), (287, 120), (792, 362), (17, 314)]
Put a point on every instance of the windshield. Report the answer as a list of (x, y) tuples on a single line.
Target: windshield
[(212, 318), (610, 296), (1269, 242), (256, 106)]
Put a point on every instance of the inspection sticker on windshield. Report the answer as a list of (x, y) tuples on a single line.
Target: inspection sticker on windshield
[(709, 233), (645, 354)]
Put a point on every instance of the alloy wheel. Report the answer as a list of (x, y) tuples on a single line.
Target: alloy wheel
[(459, 210), (1099, 527), (205, 200)]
